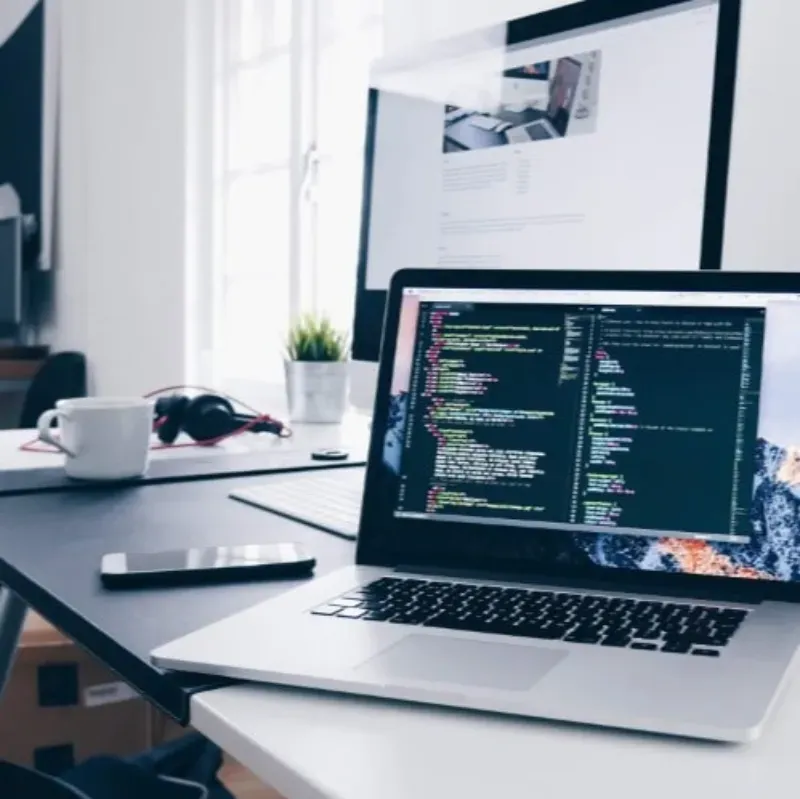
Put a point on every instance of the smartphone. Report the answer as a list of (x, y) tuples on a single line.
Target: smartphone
[(204, 565)]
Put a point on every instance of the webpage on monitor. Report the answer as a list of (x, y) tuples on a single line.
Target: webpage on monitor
[(586, 150)]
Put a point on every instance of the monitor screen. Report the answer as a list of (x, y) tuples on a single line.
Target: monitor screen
[(640, 430), (587, 148)]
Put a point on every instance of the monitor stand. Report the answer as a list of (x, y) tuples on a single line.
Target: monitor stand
[(363, 382)]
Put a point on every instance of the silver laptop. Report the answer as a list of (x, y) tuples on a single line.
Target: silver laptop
[(582, 503), (561, 97), (533, 131)]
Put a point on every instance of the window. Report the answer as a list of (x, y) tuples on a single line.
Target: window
[(289, 123)]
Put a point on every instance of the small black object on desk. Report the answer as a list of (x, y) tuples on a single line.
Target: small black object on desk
[(206, 565), (330, 455), (207, 417)]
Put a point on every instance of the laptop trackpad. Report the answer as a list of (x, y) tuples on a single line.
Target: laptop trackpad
[(461, 661)]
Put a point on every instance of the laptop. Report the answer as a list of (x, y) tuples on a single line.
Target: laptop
[(553, 124), (533, 131), (582, 503)]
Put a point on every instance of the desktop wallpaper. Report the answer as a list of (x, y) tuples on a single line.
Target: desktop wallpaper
[(773, 552)]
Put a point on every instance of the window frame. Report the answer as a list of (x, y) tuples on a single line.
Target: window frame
[(305, 50)]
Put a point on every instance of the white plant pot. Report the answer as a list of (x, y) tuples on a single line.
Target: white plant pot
[(317, 390)]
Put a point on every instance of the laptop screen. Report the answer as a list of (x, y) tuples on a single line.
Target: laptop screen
[(652, 430)]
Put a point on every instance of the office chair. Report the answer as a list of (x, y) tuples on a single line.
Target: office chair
[(182, 769), (22, 783), (61, 376)]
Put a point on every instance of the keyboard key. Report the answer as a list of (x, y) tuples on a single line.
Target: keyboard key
[(579, 637), (385, 583), (641, 645), (727, 627), (445, 622), (709, 639), (650, 634), (734, 616), (616, 642), (351, 613), (677, 647), (376, 615), (327, 610), (672, 625), (404, 617), (372, 604), (545, 632), (707, 653), (346, 603)]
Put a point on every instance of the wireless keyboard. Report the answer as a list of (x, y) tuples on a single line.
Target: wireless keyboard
[(329, 499)]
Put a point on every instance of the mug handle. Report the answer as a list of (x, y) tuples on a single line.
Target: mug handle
[(46, 435)]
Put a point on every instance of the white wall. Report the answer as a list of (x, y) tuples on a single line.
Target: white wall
[(122, 280), (411, 22), (762, 232)]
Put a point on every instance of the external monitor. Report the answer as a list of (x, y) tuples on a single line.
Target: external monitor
[(593, 136)]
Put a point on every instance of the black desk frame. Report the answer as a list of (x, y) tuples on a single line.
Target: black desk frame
[(12, 617)]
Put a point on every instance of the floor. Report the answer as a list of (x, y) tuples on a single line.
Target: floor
[(243, 784)]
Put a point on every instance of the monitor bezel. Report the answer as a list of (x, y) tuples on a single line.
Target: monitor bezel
[(370, 304), (436, 546)]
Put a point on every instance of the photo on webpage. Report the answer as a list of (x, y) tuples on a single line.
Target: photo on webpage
[(537, 102)]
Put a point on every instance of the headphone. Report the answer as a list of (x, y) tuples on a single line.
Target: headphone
[(207, 419)]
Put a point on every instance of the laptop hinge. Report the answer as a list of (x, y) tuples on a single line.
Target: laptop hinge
[(726, 593)]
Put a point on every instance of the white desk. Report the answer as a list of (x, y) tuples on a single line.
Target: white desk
[(320, 746), (352, 435)]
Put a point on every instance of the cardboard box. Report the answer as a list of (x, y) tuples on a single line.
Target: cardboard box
[(164, 728), (62, 706)]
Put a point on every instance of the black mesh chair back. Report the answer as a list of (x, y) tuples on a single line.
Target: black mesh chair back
[(61, 376)]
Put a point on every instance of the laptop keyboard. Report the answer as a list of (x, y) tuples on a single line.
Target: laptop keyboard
[(608, 621)]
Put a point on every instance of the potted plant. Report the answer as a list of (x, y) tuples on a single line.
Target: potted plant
[(316, 371)]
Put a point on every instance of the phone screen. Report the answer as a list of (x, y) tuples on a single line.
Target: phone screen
[(205, 558)]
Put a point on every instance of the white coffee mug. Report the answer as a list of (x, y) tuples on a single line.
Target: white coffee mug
[(103, 438)]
